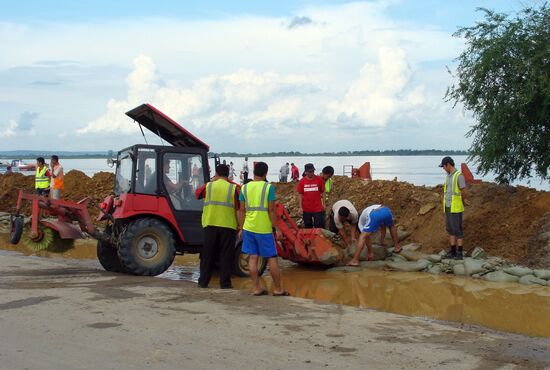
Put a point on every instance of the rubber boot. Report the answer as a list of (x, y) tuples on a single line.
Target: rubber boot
[(451, 253), (460, 254)]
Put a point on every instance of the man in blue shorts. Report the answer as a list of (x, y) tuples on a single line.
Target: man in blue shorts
[(371, 220), (256, 217)]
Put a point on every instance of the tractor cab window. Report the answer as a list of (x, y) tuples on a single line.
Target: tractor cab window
[(182, 175), (146, 174), (123, 173)]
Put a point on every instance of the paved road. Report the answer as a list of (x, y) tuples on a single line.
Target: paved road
[(63, 314)]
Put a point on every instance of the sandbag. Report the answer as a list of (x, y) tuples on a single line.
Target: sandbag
[(378, 250), (413, 255), (532, 280), (414, 247), (344, 269), (409, 266), (478, 253), (518, 271), (434, 270), (373, 264), (542, 274), (473, 266), (459, 269), (398, 258), (500, 277), (435, 258)]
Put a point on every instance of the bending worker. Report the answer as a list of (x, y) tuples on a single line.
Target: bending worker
[(372, 219), (344, 212)]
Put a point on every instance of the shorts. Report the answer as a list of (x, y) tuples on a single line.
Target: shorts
[(262, 245), (379, 217), (453, 224)]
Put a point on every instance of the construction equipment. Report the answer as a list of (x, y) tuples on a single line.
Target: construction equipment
[(306, 246), (152, 214), (47, 233)]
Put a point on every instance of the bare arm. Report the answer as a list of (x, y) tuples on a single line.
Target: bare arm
[(241, 216), (353, 232), (465, 196), (300, 199), (272, 213)]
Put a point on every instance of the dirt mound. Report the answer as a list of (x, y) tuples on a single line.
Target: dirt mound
[(501, 219), (77, 187), (10, 185)]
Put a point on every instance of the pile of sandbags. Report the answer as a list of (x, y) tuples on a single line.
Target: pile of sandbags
[(479, 265)]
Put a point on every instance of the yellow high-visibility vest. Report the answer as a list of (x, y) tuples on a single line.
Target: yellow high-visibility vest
[(257, 219), (41, 181), (219, 205), (457, 205), (328, 188)]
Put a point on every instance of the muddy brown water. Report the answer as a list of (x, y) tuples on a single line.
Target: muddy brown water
[(502, 306)]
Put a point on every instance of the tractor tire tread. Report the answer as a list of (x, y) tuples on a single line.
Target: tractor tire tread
[(125, 250)]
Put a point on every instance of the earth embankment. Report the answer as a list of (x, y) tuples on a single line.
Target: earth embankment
[(510, 222)]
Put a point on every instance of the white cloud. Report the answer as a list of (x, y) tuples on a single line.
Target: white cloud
[(304, 77), (23, 126)]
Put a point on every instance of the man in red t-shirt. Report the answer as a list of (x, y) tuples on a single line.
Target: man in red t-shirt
[(311, 191), (294, 172)]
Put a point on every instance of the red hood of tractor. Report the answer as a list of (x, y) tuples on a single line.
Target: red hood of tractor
[(165, 127)]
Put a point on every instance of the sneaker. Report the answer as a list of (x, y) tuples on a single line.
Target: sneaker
[(459, 255)]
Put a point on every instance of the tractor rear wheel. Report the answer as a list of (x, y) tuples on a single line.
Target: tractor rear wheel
[(240, 267), (108, 257), (146, 247)]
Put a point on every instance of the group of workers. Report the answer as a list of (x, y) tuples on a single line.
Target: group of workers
[(249, 213), (49, 180)]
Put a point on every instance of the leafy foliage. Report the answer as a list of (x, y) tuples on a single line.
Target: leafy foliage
[(504, 80)]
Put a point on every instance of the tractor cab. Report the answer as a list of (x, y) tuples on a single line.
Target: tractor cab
[(154, 212)]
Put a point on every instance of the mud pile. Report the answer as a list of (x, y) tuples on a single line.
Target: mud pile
[(509, 222), (77, 187)]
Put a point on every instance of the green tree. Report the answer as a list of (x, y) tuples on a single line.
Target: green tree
[(503, 78)]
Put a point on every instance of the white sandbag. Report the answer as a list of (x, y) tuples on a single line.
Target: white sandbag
[(532, 280), (518, 271), (344, 269), (473, 266), (542, 274), (373, 264), (500, 277), (409, 266), (478, 253), (458, 269)]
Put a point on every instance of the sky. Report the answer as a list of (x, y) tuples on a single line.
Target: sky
[(244, 76)]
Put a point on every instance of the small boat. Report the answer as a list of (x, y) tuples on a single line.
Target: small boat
[(19, 165)]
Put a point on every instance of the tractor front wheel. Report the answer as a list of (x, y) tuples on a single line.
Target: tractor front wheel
[(146, 247), (241, 263)]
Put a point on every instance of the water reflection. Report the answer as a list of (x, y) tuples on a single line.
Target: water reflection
[(503, 306)]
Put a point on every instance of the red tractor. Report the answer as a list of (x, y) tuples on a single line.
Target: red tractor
[(153, 213)]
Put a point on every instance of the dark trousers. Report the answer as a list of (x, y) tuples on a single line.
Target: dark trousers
[(331, 224), (245, 177), (314, 219), (218, 241), (42, 192)]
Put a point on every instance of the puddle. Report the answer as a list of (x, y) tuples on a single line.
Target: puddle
[(507, 307)]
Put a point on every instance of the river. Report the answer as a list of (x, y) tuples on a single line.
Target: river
[(418, 170)]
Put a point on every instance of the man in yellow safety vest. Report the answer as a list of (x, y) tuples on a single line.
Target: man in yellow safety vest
[(219, 220), (42, 178), (256, 219), (454, 198)]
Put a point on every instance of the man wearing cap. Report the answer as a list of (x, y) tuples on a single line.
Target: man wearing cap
[(311, 193), (454, 198)]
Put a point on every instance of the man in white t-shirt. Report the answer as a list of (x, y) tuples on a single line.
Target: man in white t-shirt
[(374, 218), (342, 212)]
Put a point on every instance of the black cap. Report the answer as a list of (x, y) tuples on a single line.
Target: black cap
[(309, 167), (447, 160)]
